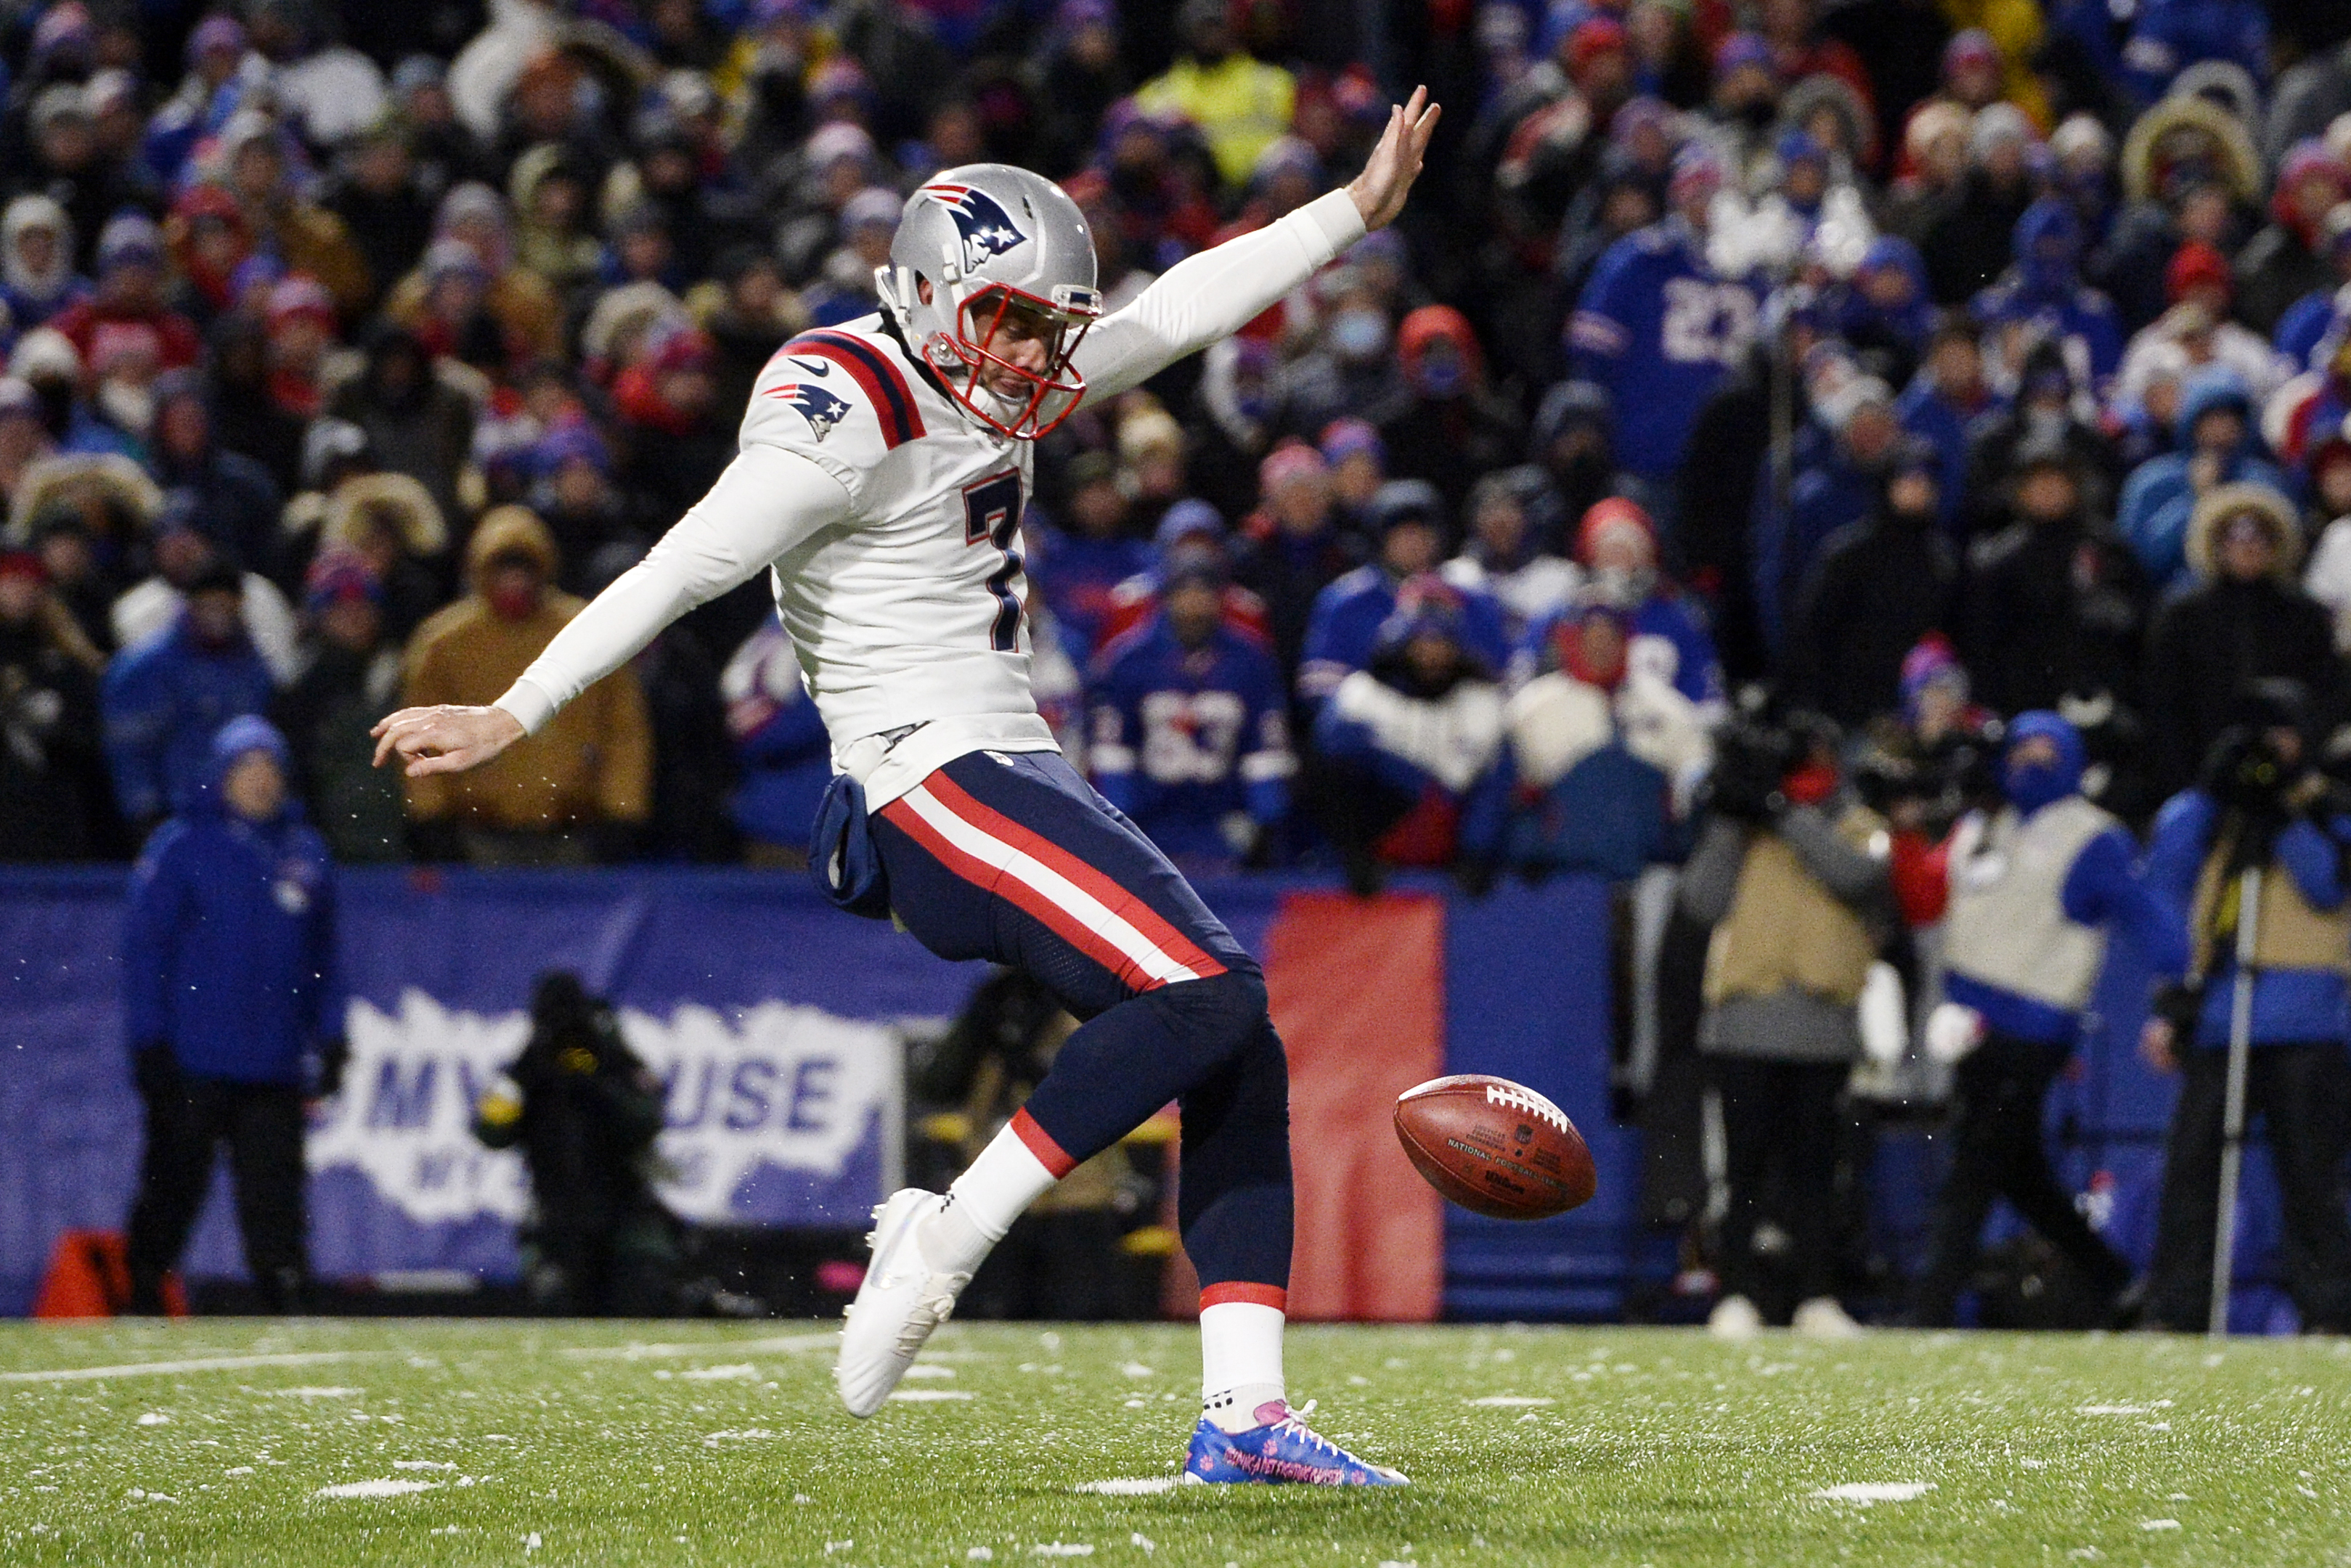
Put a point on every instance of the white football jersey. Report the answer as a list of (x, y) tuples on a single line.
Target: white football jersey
[(901, 582)]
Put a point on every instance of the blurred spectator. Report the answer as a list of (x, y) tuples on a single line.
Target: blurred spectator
[(1839, 487), (1454, 429), (1967, 243), (1658, 325), (1240, 104), (1574, 444), (561, 797), (674, 439), (1079, 565), (1292, 547), (305, 237), (415, 422), (1877, 587), (781, 749), (130, 290), (391, 521), (2044, 292), (1191, 532), (164, 700), (352, 681), (1616, 544), (2056, 601), (379, 197), (1406, 751), (2216, 445), (572, 490), (2245, 619), (2032, 888), (2199, 285), (1407, 522), (2256, 808), (236, 502), (55, 803), (520, 305), (2051, 406), (182, 554), (37, 278), (748, 314), (1947, 396), (233, 1011), (1786, 875), (1505, 555), (1602, 754), (1188, 731), (2286, 259)]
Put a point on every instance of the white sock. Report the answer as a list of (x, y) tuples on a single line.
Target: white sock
[(982, 1204), (1241, 1363)]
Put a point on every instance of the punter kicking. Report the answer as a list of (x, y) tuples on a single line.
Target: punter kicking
[(882, 470)]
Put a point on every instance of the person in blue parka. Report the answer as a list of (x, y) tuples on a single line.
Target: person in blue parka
[(233, 1010)]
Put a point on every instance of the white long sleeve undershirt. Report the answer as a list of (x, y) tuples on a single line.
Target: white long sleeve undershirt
[(769, 500)]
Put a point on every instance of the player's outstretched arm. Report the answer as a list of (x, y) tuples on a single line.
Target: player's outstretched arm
[(769, 501), (1213, 294)]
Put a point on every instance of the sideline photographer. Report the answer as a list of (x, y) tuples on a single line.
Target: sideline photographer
[(1791, 873), (585, 1111), (2259, 807)]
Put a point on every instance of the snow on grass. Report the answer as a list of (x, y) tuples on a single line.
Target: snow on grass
[(1129, 1486), (1062, 1549), (928, 1396), (154, 1418), (929, 1369), (734, 1371), (640, 1352), (310, 1392), (390, 1486), (2122, 1409), (745, 1435), (1867, 1493), (1512, 1401), (422, 1465), (2159, 1524)]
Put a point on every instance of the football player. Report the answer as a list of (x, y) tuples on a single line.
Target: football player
[(881, 474)]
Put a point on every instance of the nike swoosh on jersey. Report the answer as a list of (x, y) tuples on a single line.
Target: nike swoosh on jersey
[(813, 367)]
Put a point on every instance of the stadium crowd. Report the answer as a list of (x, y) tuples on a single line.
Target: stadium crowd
[(1933, 361)]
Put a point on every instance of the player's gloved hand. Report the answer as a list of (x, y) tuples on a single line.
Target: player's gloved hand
[(154, 1071)]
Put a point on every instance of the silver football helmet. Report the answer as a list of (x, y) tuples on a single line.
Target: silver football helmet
[(1010, 262)]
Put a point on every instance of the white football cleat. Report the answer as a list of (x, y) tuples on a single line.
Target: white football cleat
[(1735, 1319), (901, 1301), (1824, 1317)]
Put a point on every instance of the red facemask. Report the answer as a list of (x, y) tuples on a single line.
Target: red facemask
[(1810, 783)]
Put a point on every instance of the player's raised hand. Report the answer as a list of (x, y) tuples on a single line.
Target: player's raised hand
[(1380, 189), (445, 739)]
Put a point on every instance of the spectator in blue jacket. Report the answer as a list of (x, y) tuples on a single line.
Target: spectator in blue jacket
[(2044, 292), (1407, 520), (2258, 806), (780, 746), (1189, 727), (163, 701), (2032, 890), (1407, 749), (2217, 445), (1943, 400), (2170, 35), (234, 1011)]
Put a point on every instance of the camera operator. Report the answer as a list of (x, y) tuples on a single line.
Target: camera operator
[(586, 1112), (2031, 885), (2259, 807), (1791, 872)]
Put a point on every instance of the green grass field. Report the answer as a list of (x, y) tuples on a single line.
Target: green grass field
[(423, 1442)]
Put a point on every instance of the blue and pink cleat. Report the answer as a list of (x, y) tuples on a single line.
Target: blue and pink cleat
[(1280, 1449)]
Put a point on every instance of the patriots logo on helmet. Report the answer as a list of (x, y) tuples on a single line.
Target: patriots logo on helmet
[(986, 229), (819, 407)]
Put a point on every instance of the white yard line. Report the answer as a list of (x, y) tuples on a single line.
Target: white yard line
[(195, 1364), (790, 1342)]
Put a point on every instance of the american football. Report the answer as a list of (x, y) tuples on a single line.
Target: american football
[(1495, 1147)]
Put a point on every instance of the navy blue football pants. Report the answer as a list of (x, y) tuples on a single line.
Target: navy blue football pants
[(1013, 858)]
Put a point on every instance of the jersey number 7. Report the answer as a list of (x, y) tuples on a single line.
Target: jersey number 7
[(991, 515)]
